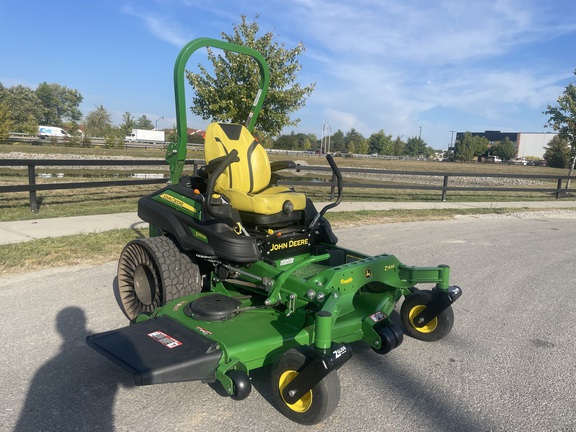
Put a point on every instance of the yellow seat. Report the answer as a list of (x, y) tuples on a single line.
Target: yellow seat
[(246, 183)]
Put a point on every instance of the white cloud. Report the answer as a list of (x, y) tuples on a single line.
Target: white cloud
[(163, 27)]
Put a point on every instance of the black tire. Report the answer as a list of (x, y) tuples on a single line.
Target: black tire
[(433, 331), (391, 335), (241, 383), (153, 271), (317, 404)]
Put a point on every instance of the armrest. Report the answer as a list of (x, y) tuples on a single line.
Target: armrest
[(206, 170), (280, 165)]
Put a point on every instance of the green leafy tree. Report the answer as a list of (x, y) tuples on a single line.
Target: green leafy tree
[(398, 147), (113, 137), (98, 123), (72, 128), (562, 118), (144, 122), (59, 104), (351, 147), (31, 125), (557, 152), (380, 143), (337, 141), (128, 123), (362, 147), (6, 123), (285, 142), (227, 95), (22, 102), (504, 149), (415, 146), (470, 147), (356, 137)]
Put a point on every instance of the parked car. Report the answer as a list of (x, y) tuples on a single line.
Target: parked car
[(493, 159)]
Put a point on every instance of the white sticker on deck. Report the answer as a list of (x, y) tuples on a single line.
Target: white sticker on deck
[(164, 339)]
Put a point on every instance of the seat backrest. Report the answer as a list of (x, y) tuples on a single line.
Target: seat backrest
[(252, 173)]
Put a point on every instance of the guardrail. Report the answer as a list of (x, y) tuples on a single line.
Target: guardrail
[(32, 187)]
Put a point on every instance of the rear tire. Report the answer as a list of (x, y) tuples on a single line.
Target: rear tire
[(153, 271)]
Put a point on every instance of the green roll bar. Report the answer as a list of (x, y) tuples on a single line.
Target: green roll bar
[(176, 152)]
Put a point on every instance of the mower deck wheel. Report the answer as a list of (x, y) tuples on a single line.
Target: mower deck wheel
[(317, 404), (434, 330), (241, 383)]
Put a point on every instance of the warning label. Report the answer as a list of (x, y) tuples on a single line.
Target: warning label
[(164, 339)]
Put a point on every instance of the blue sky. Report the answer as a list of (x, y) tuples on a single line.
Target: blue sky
[(404, 66)]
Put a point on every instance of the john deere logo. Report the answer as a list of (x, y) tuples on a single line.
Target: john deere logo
[(367, 273)]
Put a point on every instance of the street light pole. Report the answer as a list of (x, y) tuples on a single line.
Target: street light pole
[(156, 123)]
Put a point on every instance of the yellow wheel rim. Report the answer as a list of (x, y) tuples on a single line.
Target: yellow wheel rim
[(428, 328), (301, 405)]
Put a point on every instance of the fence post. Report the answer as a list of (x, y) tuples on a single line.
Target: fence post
[(32, 193), (558, 188), (444, 187)]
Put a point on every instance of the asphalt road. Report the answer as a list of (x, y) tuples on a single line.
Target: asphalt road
[(507, 365)]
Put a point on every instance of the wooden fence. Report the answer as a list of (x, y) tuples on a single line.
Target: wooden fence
[(32, 187)]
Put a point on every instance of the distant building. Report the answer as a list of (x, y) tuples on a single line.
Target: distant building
[(527, 143)]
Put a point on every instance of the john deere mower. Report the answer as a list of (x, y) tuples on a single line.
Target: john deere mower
[(240, 273)]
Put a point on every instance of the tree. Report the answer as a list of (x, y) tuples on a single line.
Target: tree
[(30, 126), (229, 93), (398, 147), (380, 143), (415, 146), (562, 118), (98, 123), (22, 102), (469, 147), (362, 147), (5, 121), (144, 122), (337, 141), (351, 147), (504, 149), (353, 136), (557, 153), (59, 103), (128, 123)]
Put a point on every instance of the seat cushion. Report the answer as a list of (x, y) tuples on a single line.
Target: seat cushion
[(267, 202)]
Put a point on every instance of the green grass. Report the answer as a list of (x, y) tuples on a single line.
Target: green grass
[(86, 249)]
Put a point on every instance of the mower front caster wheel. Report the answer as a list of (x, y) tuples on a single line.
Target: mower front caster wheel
[(434, 330), (314, 406)]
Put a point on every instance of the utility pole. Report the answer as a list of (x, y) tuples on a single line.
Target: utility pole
[(326, 135)]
